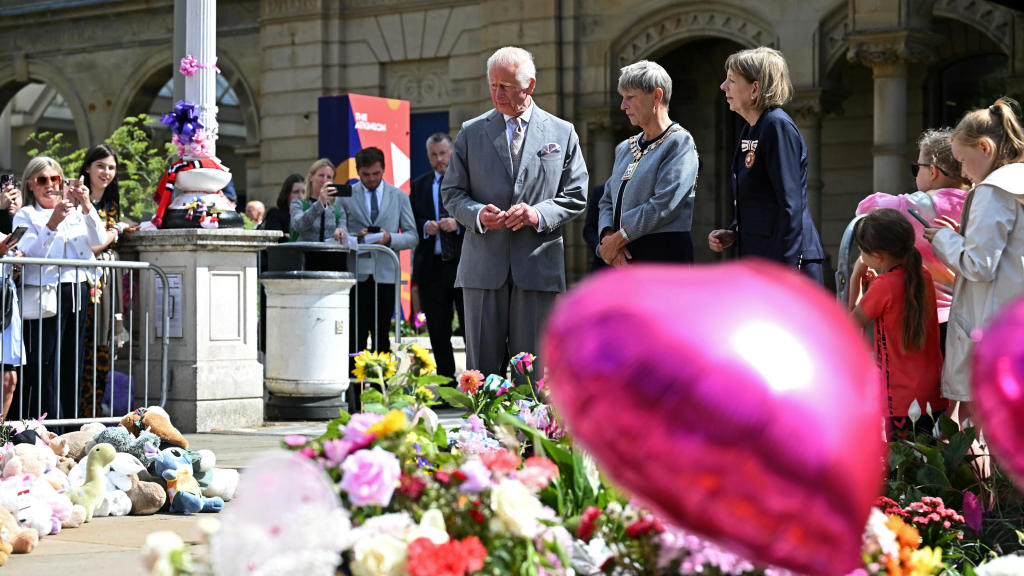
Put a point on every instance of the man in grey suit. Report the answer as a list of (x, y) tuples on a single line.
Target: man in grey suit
[(376, 213), (516, 176)]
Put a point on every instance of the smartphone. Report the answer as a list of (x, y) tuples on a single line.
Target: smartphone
[(15, 236), (372, 229), (343, 190), (919, 218), (6, 179)]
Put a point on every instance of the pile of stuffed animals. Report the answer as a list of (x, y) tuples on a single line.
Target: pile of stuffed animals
[(142, 466)]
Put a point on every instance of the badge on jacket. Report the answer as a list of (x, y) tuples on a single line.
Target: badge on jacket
[(748, 146)]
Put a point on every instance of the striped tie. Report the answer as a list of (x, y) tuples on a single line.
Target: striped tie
[(516, 144)]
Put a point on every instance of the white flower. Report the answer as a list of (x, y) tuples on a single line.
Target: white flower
[(156, 552), (1002, 566), (516, 509), (431, 527), (590, 470), (878, 536), (588, 557), (379, 556), (429, 418), (914, 412)]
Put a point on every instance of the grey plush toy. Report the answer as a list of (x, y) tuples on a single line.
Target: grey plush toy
[(122, 440)]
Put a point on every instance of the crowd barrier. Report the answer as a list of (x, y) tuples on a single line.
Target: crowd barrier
[(128, 383)]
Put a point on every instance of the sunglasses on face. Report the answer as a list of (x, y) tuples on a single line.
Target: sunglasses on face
[(916, 166), (44, 180)]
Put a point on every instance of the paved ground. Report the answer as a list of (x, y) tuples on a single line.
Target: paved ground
[(111, 545)]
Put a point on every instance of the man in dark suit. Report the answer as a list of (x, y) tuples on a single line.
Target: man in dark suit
[(436, 259)]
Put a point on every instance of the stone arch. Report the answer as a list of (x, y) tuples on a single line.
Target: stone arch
[(662, 29), (139, 79), (45, 72), (993, 20), (142, 78), (232, 72)]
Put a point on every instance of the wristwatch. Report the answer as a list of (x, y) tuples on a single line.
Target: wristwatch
[(624, 235)]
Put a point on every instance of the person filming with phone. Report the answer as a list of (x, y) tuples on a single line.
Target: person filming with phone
[(60, 222), (10, 201), (316, 217)]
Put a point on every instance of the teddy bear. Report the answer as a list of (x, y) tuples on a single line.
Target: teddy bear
[(31, 459), (183, 491), (21, 540), (95, 482), (157, 421), (123, 441), (31, 511), (146, 497), (213, 481), (79, 442)]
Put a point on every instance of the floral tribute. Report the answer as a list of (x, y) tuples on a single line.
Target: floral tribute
[(505, 491)]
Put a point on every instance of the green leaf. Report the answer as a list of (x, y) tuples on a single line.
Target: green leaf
[(932, 476), (440, 436), (371, 396), (948, 427), (376, 408), (455, 398)]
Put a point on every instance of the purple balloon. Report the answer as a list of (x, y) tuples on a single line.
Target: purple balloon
[(738, 401), (997, 370)]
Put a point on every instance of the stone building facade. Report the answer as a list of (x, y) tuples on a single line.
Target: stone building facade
[(869, 75)]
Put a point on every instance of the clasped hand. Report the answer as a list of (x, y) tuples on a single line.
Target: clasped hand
[(613, 249), (494, 218)]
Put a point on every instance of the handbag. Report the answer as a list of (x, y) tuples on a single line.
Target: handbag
[(39, 302)]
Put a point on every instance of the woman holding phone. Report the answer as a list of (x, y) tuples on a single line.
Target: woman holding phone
[(10, 201), (61, 223), (12, 348), (317, 217)]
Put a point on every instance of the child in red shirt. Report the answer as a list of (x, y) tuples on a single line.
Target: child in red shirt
[(900, 300)]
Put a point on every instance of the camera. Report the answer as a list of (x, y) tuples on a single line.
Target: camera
[(343, 190)]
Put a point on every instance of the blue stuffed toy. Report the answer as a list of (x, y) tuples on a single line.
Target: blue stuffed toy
[(183, 491)]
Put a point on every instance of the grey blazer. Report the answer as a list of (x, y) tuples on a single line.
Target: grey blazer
[(552, 179), (395, 216), (659, 196)]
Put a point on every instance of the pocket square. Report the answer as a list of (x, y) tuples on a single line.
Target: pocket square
[(549, 148)]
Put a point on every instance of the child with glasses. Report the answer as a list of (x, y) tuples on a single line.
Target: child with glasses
[(940, 195)]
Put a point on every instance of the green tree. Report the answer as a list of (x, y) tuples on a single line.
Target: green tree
[(141, 161)]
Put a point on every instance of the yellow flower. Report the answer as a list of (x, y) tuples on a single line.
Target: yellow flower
[(925, 561), (422, 359), (393, 421), (374, 365)]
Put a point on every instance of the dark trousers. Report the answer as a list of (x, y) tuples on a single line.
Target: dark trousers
[(439, 298), (59, 392), (376, 325)]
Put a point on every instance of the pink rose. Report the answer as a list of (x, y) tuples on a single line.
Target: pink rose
[(370, 477), (355, 430)]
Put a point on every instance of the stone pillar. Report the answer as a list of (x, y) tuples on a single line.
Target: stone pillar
[(887, 55), (807, 108), (180, 26), (215, 380), (201, 87)]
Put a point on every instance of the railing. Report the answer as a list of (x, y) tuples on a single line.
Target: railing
[(37, 329)]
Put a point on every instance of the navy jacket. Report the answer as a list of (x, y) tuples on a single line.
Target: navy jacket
[(770, 189)]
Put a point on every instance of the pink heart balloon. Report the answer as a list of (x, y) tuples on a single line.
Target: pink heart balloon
[(738, 401), (997, 370)]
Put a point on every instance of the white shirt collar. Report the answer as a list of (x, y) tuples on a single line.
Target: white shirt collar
[(525, 116)]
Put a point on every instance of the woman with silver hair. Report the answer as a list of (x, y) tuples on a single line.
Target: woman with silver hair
[(647, 207), (769, 167)]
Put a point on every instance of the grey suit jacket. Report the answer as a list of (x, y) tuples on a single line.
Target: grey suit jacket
[(395, 216), (552, 179)]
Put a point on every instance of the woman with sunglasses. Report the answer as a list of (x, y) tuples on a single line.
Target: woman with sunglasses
[(62, 223), (940, 197)]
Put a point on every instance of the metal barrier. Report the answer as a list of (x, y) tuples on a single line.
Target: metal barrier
[(86, 270), (395, 312)]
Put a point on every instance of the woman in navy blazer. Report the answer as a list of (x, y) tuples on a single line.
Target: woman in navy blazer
[(769, 168)]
